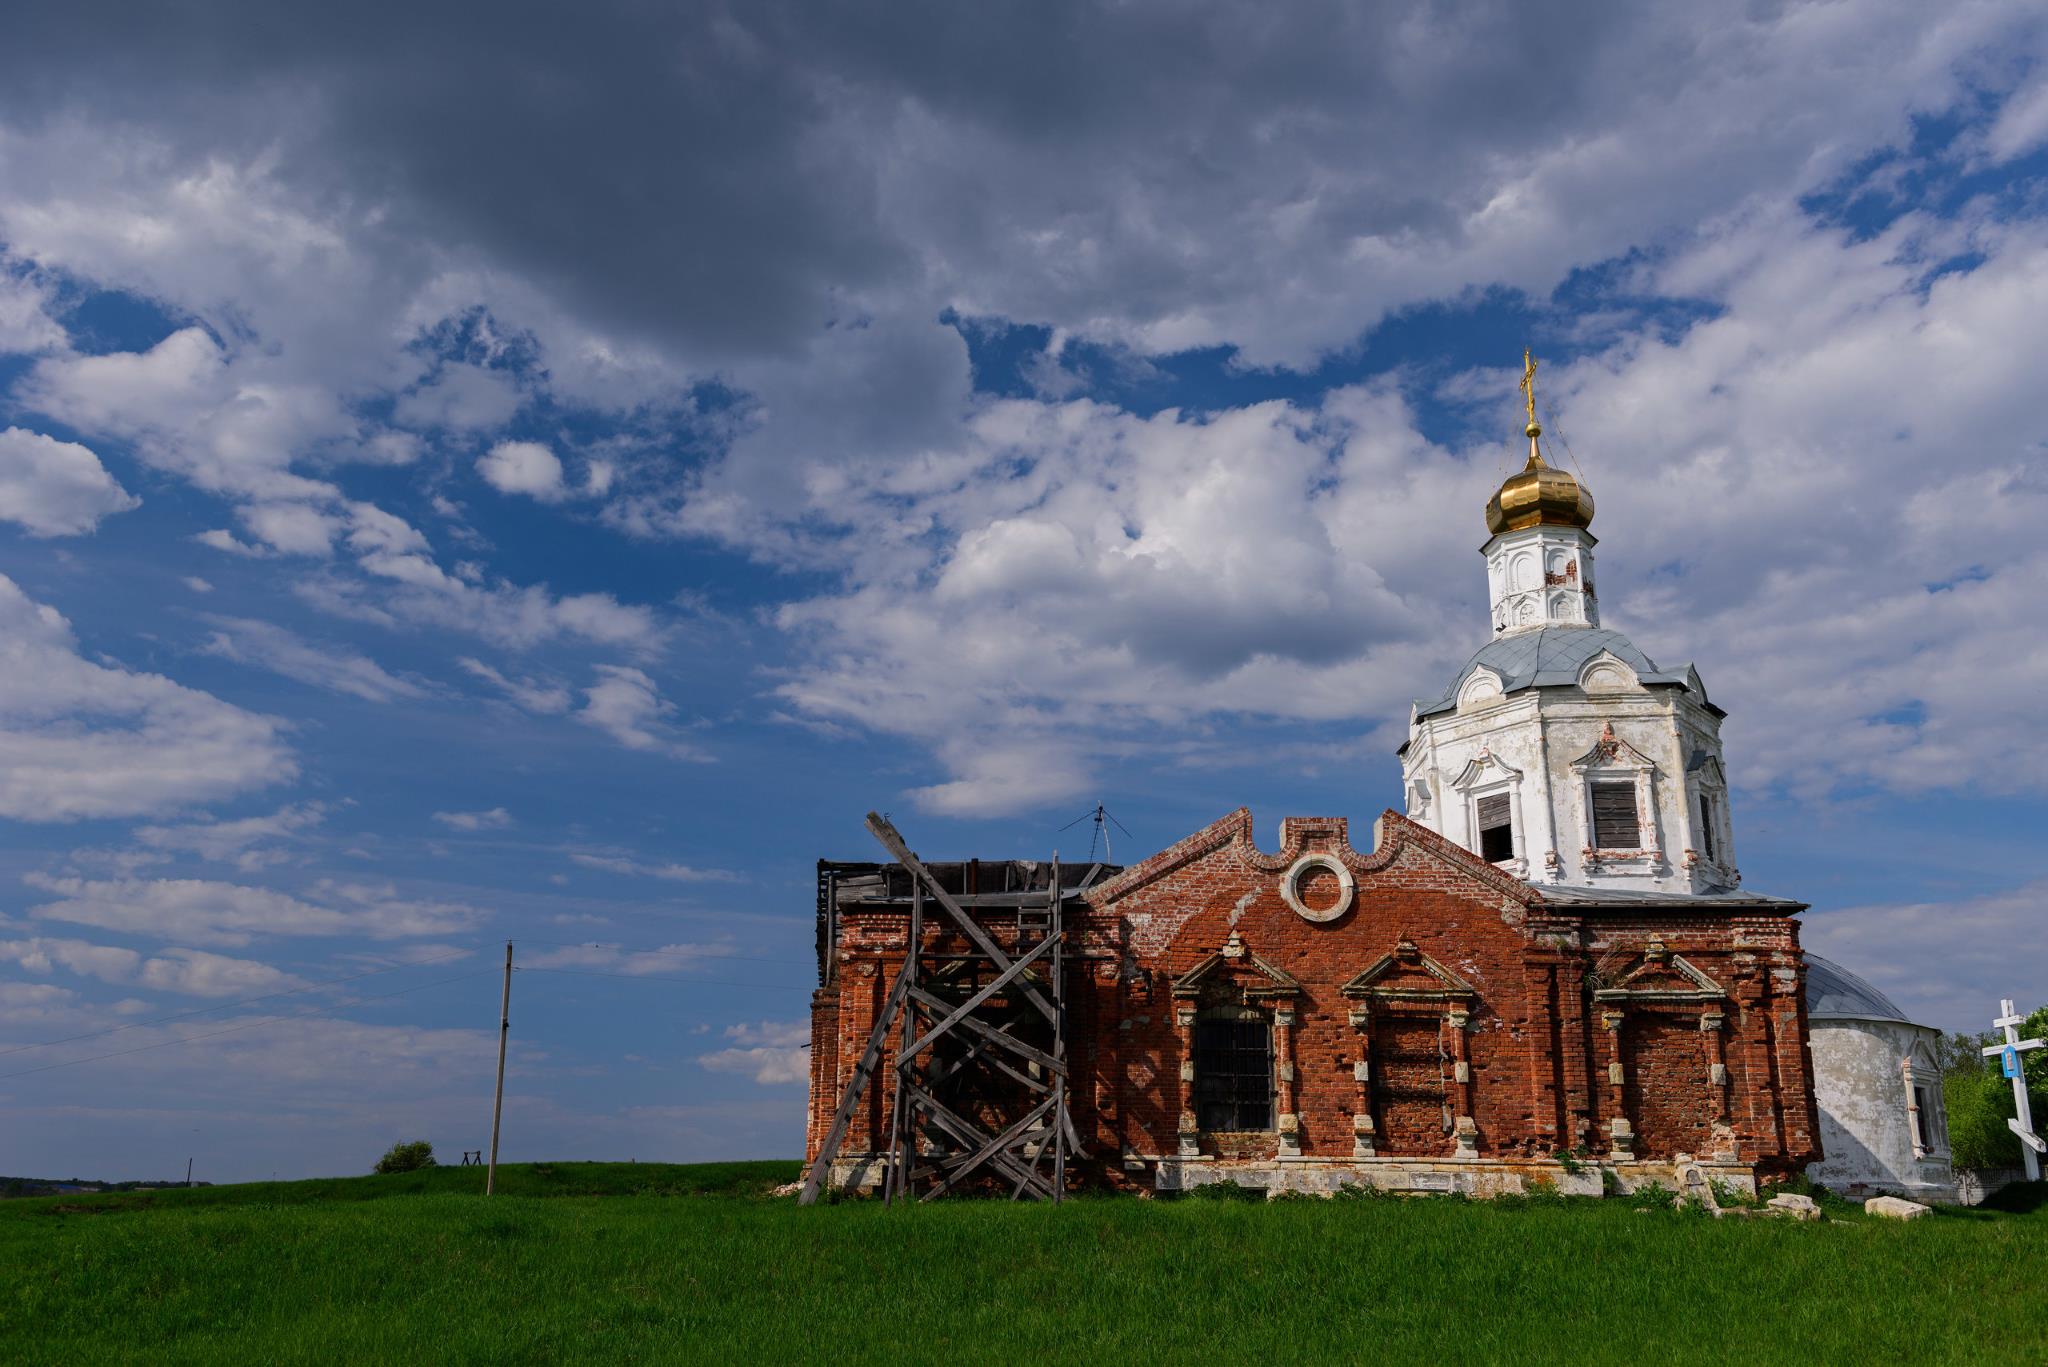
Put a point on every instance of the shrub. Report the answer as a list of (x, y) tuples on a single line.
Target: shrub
[(1978, 1096), (2034, 1063), (1979, 1102), (1653, 1196), (406, 1157)]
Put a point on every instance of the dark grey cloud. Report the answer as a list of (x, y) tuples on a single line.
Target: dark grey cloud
[(787, 197), (728, 179)]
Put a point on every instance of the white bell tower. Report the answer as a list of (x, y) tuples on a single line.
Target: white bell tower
[(1560, 751)]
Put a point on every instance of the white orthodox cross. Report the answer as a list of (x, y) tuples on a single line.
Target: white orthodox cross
[(2031, 1144)]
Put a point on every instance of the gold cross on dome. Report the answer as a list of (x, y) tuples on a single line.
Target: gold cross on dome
[(1529, 382)]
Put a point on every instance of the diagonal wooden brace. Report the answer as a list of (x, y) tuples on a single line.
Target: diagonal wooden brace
[(863, 1071), (979, 1052), (879, 827), (995, 985), (967, 1132), (990, 1033), (998, 1145)]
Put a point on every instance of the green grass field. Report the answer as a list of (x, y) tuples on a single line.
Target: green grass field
[(618, 1262)]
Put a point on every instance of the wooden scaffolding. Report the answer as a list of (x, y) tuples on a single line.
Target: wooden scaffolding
[(978, 1080)]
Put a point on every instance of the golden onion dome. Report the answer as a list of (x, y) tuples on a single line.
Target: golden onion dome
[(1538, 495)]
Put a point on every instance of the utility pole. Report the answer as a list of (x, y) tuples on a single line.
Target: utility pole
[(498, 1105), (2009, 1053)]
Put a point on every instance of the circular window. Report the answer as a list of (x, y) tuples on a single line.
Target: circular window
[(1318, 886)]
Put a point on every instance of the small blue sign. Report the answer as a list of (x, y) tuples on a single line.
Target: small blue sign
[(2012, 1062)]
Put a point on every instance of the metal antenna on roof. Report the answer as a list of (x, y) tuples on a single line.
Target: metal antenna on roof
[(1103, 819)]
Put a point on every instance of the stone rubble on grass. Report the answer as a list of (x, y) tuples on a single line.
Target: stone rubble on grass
[(787, 1189), (1793, 1206), (1894, 1208), (1693, 1186)]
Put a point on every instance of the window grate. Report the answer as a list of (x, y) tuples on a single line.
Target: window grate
[(1615, 824), (1234, 1075)]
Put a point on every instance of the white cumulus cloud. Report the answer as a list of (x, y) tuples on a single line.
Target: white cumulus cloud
[(212, 912), (189, 972), (246, 842), (671, 872), (523, 467), (55, 488), (626, 704), (82, 739), (496, 819), (773, 1052), (282, 651)]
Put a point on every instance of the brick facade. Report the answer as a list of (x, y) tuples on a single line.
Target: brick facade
[(1423, 1007)]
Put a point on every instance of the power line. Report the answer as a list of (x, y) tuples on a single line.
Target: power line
[(656, 978), (246, 1025), (226, 1006), (659, 953)]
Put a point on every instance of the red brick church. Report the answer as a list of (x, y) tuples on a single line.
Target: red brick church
[(1546, 969)]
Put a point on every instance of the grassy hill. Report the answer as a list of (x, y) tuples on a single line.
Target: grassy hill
[(617, 1262)]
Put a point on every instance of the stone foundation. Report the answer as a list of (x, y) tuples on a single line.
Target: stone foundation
[(1475, 1177)]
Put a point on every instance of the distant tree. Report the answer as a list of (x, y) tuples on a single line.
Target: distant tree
[(2035, 1061), (1978, 1097), (407, 1157)]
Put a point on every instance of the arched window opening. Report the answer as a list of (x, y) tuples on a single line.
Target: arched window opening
[(1234, 1069)]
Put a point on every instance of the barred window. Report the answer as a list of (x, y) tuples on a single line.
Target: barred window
[(1496, 828), (1234, 1074), (1615, 825)]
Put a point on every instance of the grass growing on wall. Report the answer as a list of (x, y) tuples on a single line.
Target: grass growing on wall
[(620, 1262)]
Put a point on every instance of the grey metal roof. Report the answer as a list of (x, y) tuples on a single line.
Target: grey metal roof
[(1834, 993), (1548, 656), (1578, 895)]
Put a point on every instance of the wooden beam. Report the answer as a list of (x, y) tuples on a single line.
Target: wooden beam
[(1010, 1042), (994, 986), (1055, 904), (879, 827), (994, 1146), (857, 1084), (972, 1135), (892, 1179), (979, 1050)]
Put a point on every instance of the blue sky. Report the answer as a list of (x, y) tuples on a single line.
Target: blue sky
[(551, 486)]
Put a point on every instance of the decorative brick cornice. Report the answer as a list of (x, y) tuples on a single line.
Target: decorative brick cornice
[(1406, 960), (1392, 834), (1268, 981), (1223, 831)]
